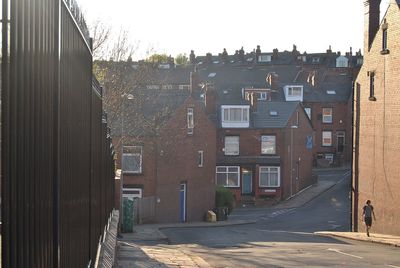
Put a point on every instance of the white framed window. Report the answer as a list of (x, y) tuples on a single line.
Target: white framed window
[(326, 138), (200, 158), (264, 58), (132, 159), (327, 115), (190, 120), (228, 176), (293, 92), (269, 177), (232, 145), (268, 144), (262, 96), (308, 112), (236, 116)]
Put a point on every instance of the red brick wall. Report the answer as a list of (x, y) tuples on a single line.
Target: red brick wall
[(177, 163), (304, 173), (341, 122), (147, 179), (250, 145), (379, 131)]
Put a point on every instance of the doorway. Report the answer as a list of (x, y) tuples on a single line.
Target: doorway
[(182, 202), (247, 181)]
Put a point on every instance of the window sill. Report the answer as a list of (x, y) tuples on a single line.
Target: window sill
[(385, 52), (372, 98)]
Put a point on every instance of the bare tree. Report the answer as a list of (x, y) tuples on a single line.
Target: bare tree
[(101, 35)]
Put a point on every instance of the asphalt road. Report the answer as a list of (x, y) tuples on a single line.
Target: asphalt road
[(284, 237)]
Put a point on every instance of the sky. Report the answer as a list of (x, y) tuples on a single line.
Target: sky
[(179, 26)]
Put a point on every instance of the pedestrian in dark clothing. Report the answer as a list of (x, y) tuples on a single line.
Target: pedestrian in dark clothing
[(368, 212)]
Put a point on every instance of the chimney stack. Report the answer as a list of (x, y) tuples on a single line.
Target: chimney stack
[(371, 22), (192, 57), (253, 101), (273, 80), (210, 99), (258, 52), (194, 81)]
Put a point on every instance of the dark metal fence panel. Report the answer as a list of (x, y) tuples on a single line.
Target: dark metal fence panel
[(27, 141), (57, 160)]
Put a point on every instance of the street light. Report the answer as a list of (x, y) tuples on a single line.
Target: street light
[(291, 158), (122, 139)]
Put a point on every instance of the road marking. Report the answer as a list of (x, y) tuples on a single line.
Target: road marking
[(393, 266), (338, 251)]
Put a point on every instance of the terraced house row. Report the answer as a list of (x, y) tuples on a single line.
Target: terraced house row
[(254, 122)]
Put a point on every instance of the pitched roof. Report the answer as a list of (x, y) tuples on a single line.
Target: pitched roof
[(146, 113), (273, 114)]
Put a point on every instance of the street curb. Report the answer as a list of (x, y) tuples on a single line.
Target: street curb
[(366, 239)]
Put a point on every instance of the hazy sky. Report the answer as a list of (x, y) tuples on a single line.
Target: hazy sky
[(178, 26)]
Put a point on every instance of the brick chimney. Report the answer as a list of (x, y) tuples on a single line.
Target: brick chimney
[(194, 81), (273, 80), (258, 52), (371, 22), (210, 99), (192, 57), (253, 101), (275, 53)]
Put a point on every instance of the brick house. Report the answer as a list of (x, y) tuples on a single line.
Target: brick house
[(265, 155), (376, 119), (169, 155), (324, 89)]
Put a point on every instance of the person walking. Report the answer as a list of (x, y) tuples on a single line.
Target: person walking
[(368, 212)]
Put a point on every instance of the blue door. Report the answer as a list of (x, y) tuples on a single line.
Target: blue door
[(182, 202), (247, 181)]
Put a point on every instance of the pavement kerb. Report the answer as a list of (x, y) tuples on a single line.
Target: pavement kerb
[(374, 238)]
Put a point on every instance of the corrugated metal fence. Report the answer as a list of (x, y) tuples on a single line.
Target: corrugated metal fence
[(57, 158)]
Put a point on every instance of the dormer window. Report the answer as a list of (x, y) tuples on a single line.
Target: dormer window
[(315, 60), (264, 58), (235, 116), (342, 62), (293, 93)]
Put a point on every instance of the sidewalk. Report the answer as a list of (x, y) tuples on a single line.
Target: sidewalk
[(374, 238)]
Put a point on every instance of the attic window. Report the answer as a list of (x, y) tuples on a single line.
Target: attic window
[(273, 113), (212, 74), (264, 58), (315, 60), (331, 92)]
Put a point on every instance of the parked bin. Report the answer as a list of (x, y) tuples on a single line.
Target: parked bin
[(222, 213)]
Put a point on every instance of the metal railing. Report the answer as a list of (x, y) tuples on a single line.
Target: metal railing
[(57, 159)]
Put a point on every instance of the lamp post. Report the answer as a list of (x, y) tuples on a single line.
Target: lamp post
[(291, 159), (121, 187)]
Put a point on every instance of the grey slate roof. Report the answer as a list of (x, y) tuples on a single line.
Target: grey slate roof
[(147, 112), (263, 119)]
